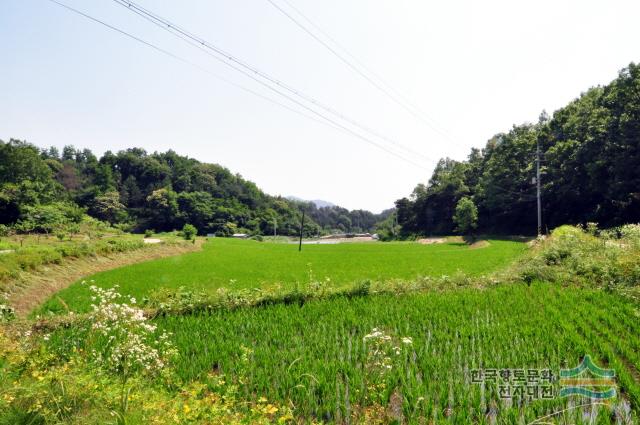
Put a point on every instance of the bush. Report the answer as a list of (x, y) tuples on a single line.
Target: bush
[(4, 230), (573, 255), (148, 233), (189, 231)]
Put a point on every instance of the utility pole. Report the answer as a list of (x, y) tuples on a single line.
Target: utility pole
[(275, 227), (301, 228), (538, 186)]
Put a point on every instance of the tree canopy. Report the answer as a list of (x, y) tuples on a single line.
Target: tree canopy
[(590, 152), (158, 191)]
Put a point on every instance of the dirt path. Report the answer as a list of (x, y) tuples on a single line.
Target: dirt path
[(430, 241), (34, 288)]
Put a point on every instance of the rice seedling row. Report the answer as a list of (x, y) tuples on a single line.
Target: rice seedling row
[(317, 356)]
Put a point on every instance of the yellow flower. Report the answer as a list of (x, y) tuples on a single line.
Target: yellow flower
[(186, 409), (270, 409), (262, 400)]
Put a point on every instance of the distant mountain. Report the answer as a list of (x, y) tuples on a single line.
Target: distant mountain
[(317, 202), (321, 204)]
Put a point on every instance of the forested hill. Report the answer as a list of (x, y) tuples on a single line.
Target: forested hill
[(42, 189), (590, 169)]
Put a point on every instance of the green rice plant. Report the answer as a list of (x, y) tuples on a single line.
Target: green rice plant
[(246, 264), (317, 356)]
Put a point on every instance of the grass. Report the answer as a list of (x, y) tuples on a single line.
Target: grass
[(313, 355), (33, 252), (238, 264)]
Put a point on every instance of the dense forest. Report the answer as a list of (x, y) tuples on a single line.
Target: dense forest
[(335, 218), (42, 190), (590, 160)]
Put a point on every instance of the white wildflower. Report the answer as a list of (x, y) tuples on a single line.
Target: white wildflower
[(128, 340)]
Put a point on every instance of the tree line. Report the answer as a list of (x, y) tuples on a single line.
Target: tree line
[(590, 161), (44, 189)]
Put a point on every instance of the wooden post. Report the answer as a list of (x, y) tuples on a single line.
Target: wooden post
[(301, 228)]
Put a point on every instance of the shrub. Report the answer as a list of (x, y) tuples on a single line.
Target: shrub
[(4, 230), (148, 233), (573, 255), (189, 231)]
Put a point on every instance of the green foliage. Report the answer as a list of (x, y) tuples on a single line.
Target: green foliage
[(4, 230), (589, 169), (466, 216), (161, 191), (574, 255), (189, 231), (317, 356), (60, 381), (108, 208), (32, 256), (335, 219), (246, 264), (48, 218)]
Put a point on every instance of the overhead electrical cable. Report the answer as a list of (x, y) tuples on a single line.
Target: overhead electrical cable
[(181, 59), (229, 59), (324, 120), (391, 93)]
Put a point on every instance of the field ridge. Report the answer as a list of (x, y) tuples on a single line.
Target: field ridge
[(50, 279)]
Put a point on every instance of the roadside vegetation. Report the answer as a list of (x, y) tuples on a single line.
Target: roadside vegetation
[(28, 252)]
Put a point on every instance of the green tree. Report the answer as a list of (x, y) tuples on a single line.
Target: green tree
[(466, 216), (162, 209), (189, 231), (108, 208)]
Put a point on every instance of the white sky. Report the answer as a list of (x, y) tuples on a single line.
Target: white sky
[(475, 68)]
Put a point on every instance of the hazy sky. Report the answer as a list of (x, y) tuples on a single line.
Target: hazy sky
[(474, 68)]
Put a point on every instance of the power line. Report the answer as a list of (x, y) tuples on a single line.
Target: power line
[(181, 59), (392, 93), (325, 120), (252, 71)]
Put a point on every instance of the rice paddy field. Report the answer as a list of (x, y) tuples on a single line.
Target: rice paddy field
[(318, 356), (422, 358), (241, 264), (463, 355)]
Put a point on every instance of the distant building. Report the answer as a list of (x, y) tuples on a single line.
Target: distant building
[(240, 235)]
